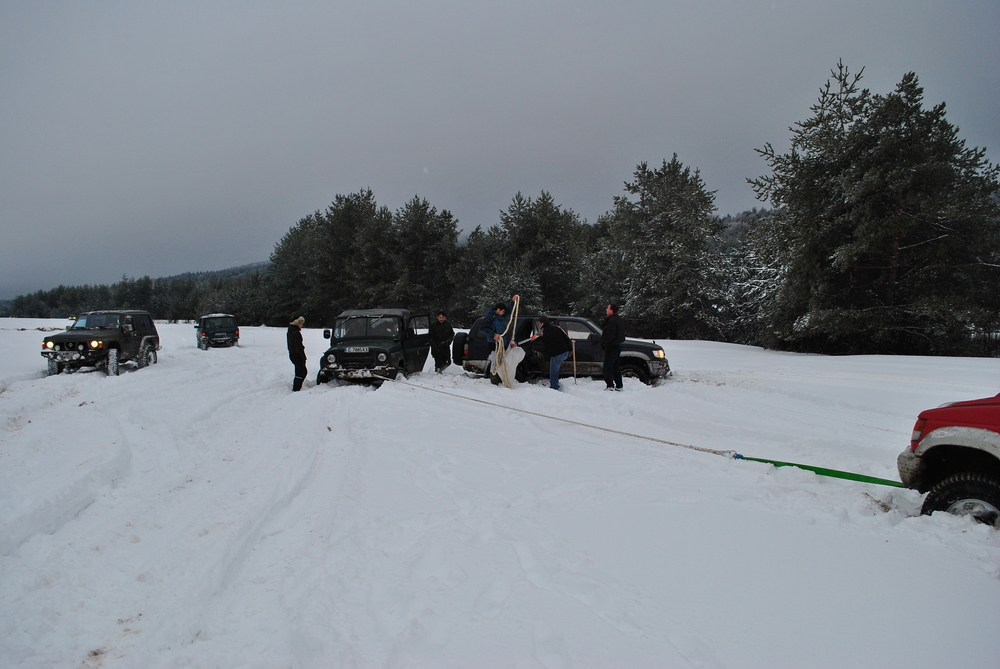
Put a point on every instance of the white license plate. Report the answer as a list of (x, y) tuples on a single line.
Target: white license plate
[(356, 349)]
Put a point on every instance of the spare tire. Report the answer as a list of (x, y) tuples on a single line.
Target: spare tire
[(458, 347)]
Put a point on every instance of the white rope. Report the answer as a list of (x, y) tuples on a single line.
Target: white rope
[(500, 350), (727, 454)]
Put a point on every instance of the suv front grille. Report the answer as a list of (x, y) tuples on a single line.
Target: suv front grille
[(357, 360)]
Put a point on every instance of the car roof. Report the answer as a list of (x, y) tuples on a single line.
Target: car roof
[(113, 311), (374, 313)]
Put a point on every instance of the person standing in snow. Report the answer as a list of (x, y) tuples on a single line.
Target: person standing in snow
[(496, 321), (611, 341), (441, 336), (557, 347), (297, 352)]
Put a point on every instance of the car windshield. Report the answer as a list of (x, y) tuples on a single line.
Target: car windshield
[(95, 321), (218, 322), (366, 326)]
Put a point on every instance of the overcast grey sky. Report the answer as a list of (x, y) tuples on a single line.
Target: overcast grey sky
[(164, 137)]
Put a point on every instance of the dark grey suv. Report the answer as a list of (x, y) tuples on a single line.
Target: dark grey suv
[(640, 359), (103, 339), (217, 330)]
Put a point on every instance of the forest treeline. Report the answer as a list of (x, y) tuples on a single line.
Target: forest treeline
[(880, 234)]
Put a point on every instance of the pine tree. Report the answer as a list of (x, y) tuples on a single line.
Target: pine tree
[(428, 247), (656, 251), (888, 225), (550, 241)]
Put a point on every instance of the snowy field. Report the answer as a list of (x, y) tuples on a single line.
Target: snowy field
[(200, 514)]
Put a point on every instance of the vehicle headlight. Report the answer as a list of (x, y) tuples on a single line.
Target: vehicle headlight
[(95, 344), (660, 354), (48, 345), (382, 357), (331, 358)]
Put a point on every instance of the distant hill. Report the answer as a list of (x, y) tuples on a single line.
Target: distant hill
[(206, 278)]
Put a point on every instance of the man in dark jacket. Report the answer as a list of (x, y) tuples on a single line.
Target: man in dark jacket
[(297, 352), (441, 336), (557, 347), (611, 341)]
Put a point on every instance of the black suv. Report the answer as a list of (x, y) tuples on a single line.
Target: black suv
[(217, 330), (372, 345), (103, 339), (640, 359)]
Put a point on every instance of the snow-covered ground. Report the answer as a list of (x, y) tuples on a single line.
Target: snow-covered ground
[(200, 514)]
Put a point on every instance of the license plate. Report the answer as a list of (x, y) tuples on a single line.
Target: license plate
[(356, 349)]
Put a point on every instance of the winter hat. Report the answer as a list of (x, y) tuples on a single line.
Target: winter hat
[(300, 321)]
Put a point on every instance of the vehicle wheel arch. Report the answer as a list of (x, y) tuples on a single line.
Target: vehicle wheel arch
[(945, 460), (636, 368)]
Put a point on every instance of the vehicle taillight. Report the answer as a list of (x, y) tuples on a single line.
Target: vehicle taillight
[(465, 350), (918, 433)]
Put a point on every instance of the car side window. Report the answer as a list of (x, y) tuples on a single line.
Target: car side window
[(576, 330), (420, 324)]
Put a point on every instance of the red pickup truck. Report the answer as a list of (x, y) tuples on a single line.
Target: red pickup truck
[(954, 456)]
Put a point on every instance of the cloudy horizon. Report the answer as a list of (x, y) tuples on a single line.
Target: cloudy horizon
[(163, 138)]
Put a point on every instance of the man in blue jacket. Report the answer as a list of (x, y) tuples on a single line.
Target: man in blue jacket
[(611, 341), (497, 319)]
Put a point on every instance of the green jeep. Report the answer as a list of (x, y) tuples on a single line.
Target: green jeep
[(374, 345)]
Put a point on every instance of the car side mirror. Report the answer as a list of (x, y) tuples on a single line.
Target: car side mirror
[(326, 334)]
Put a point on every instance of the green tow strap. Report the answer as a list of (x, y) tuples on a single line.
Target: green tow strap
[(823, 471)]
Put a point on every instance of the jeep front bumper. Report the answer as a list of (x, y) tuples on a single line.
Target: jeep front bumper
[(372, 374), (87, 355), (659, 368), (911, 469)]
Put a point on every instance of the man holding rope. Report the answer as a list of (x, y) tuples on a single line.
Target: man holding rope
[(498, 328)]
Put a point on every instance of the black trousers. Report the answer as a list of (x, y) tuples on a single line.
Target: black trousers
[(442, 356), (300, 374), (613, 366)]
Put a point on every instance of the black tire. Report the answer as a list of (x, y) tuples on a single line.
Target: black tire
[(53, 367), (966, 494), (321, 378), (636, 370), (147, 357), (112, 364), (458, 348)]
